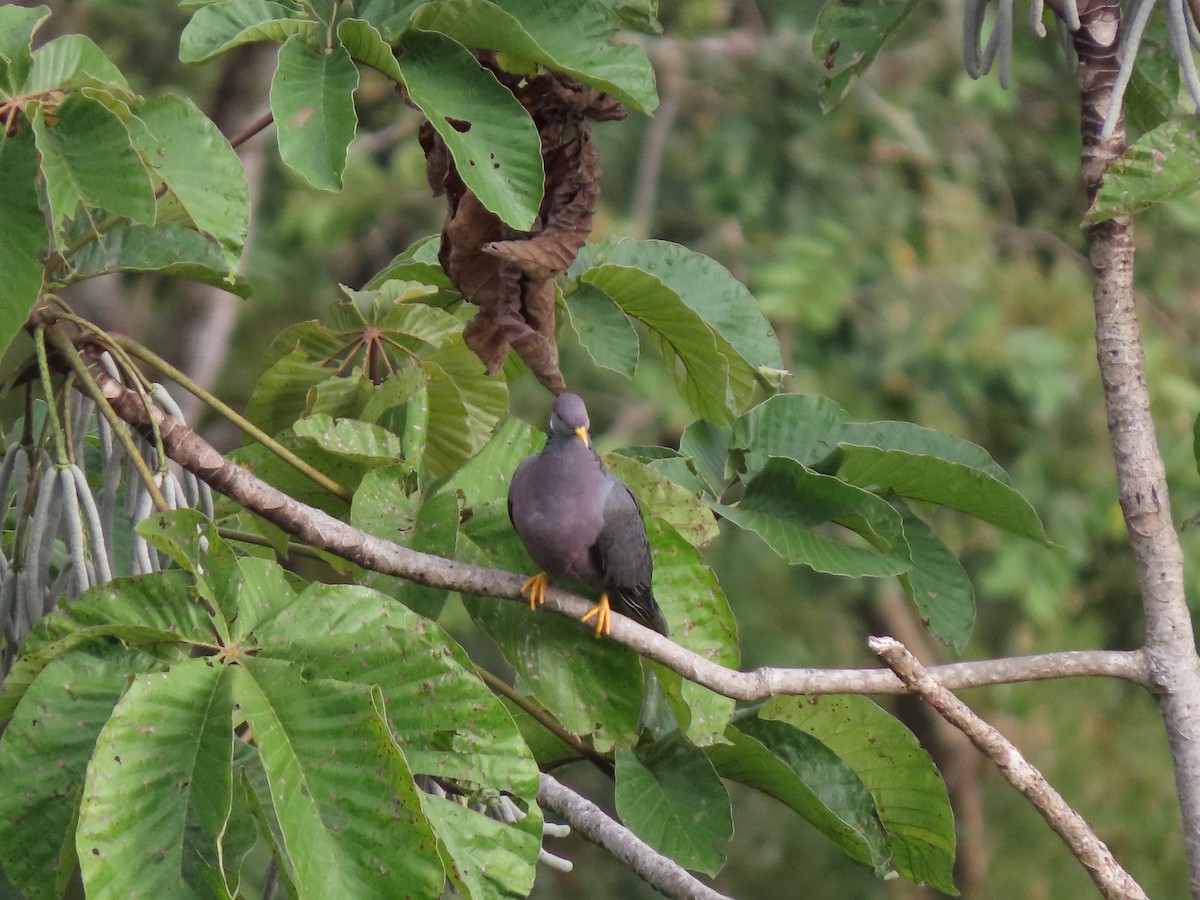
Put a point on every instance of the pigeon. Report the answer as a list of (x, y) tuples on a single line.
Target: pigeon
[(582, 524)]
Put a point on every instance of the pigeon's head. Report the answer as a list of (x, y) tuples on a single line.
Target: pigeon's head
[(568, 417)]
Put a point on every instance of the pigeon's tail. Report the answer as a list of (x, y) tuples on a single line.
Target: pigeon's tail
[(642, 607)]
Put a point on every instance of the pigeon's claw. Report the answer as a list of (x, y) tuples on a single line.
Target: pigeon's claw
[(535, 589), (601, 612)]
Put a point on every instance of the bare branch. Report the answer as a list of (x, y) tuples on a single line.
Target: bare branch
[(598, 827), (319, 529), (1112, 880)]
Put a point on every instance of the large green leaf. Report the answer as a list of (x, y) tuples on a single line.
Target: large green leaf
[(937, 583), (465, 404), (217, 27), (199, 166), (163, 758), (17, 26), (801, 772), (1162, 165), (70, 62), (44, 753), (164, 249), (932, 480), (670, 796), (603, 330), (574, 38), (348, 809), (87, 158), (359, 441), (849, 34), (691, 348), (363, 42), (701, 620), (312, 99), (796, 426), (494, 143), (910, 797), (22, 233), (786, 502), (919, 441)]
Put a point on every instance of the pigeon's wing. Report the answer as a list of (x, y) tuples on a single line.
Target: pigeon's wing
[(622, 553)]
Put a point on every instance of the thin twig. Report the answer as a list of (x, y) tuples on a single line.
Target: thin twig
[(1112, 880), (252, 129), (597, 826)]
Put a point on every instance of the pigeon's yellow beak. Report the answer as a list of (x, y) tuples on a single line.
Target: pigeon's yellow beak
[(581, 433)]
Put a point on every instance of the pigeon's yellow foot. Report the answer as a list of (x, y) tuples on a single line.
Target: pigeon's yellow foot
[(600, 612), (535, 588)]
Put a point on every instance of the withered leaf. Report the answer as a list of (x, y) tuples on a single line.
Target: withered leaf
[(508, 273)]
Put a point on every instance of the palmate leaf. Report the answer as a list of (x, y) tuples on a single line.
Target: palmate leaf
[(910, 797), (495, 144), (1162, 165), (359, 441), (45, 749), (574, 38), (670, 796), (347, 807), (164, 757), (312, 99)]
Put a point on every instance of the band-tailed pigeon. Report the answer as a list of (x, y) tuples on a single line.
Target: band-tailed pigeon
[(581, 523)]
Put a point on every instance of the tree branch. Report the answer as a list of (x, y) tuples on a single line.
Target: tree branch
[(322, 530), (1170, 648), (598, 827), (1112, 880)]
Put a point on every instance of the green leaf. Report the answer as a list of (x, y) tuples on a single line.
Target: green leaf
[(918, 441), (494, 143), (312, 99), (45, 749), (785, 502), (199, 166), (218, 27), (434, 529), (707, 446), (799, 771), (700, 618), (1153, 93), (937, 584), (910, 797), (389, 17), (445, 720), (573, 38), (22, 232), (17, 27), (362, 442), (164, 249), (850, 33), (932, 480), (795, 426), (1162, 165), (603, 330), (680, 508), (165, 756), (87, 158), (365, 44), (70, 62), (281, 395), (689, 346), (465, 404), (192, 541), (485, 476), (345, 799), (670, 796)]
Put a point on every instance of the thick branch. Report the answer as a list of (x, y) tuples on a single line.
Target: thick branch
[(598, 827), (319, 529), (1141, 476), (1112, 880)]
